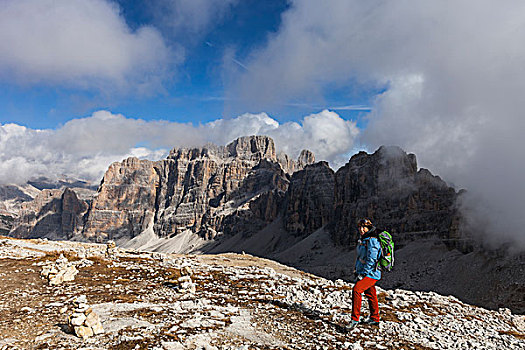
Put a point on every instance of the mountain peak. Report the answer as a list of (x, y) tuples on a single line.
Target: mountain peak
[(253, 147)]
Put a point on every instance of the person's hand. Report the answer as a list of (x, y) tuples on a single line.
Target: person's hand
[(360, 277)]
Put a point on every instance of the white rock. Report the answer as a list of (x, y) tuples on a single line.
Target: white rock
[(83, 332), (97, 328), (54, 304), (78, 319), (81, 307), (80, 299), (91, 319), (172, 345), (519, 322)]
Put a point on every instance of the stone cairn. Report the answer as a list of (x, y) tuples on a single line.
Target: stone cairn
[(59, 271), (84, 322), (111, 249), (184, 283)]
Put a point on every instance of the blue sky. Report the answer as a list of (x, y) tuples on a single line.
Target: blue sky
[(192, 89)]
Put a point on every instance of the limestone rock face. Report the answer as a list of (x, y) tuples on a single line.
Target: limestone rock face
[(125, 202), (242, 188), (310, 199), (252, 148), (16, 208), (7, 221), (290, 166), (387, 187), (55, 213), (12, 197), (208, 190)]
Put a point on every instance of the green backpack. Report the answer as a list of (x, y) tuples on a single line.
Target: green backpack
[(386, 259)]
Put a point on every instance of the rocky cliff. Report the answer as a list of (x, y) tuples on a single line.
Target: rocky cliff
[(387, 187), (54, 213), (11, 199), (124, 204), (244, 187), (208, 191), (310, 199), (15, 201)]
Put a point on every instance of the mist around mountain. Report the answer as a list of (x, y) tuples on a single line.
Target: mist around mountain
[(247, 197)]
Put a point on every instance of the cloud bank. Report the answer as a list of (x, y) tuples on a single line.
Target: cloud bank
[(453, 76), (82, 44), (83, 148)]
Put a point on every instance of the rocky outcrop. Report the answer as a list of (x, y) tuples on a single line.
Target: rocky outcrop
[(54, 213), (12, 196), (310, 199), (11, 199), (125, 202), (209, 190), (202, 188), (290, 166), (387, 187), (17, 211), (7, 221), (242, 188)]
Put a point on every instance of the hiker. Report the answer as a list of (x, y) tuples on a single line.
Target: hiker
[(366, 272)]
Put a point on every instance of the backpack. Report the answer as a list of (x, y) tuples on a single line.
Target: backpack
[(386, 258)]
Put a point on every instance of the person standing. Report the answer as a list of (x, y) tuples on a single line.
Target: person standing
[(367, 272)]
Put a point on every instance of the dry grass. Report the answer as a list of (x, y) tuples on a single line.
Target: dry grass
[(513, 333), (140, 344), (51, 256), (472, 317), (336, 288), (98, 259), (389, 315), (425, 308), (22, 286), (7, 237)]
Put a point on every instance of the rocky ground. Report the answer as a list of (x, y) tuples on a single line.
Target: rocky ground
[(237, 302)]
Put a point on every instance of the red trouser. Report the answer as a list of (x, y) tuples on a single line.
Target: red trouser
[(366, 285)]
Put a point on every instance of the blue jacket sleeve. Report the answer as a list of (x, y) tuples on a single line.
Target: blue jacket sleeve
[(372, 255)]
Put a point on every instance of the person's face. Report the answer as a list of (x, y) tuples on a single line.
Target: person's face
[(362, 230)]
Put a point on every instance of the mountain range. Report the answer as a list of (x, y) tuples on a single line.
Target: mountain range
[(246, 197)]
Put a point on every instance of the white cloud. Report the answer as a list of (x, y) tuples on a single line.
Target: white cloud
[(454, 76), (82, 44), (326, 134), (84, 148)]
